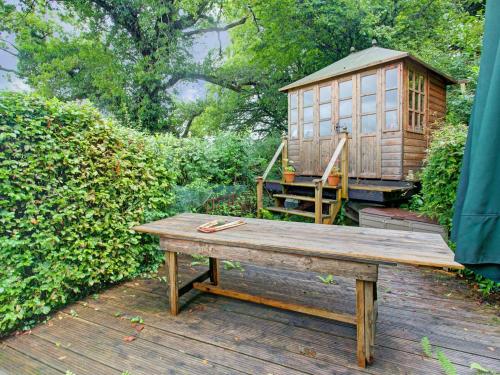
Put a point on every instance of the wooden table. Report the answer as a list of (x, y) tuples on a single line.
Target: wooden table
[(345, 251)]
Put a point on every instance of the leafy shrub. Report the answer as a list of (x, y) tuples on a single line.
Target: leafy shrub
[(71, 186), (441, 173)]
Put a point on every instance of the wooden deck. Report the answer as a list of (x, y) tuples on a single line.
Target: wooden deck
[(217, 335)]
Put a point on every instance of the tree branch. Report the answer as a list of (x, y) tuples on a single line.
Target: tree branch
[(9, 70), (189, 122), (9, 43), (9, 52), (216, 28)]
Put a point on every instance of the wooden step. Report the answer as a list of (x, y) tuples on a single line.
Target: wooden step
[(302, 198), (302, 184), (283, 210)]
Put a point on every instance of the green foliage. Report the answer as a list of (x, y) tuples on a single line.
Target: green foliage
[(485, 286), (446, 365), (441, 173), (71, 186), (426, 346), (328, 279), (480, 370)]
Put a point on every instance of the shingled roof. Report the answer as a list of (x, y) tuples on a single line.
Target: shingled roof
[(360, 60)]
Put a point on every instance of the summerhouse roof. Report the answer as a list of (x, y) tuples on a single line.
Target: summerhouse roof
[(360, 60)]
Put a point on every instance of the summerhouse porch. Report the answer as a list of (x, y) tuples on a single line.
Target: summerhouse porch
[(215, 335)]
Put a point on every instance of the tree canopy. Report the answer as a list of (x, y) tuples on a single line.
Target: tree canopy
[(127, 56)]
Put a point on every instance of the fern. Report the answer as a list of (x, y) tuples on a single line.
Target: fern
[(426, 346), (446, 364)]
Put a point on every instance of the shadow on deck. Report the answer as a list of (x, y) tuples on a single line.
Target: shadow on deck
[(217, 335)]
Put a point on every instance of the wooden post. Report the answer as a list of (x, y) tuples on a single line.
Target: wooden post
[(284, 158), (172, 282), (213, 264), (345, 166), (318, 201), (360, 323), (260, 193), (369, 320)]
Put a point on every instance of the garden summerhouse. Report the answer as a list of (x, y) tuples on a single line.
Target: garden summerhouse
[(389, 102)]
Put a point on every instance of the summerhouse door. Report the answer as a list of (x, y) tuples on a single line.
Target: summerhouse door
[(309, 153), (368, 126)]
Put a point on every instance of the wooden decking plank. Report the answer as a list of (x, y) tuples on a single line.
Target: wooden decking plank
[(415, 342), (59, 357), (13, 362), (222, 331), (108, 346), (185, 344), (337, 350)]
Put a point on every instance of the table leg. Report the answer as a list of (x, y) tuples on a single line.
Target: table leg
[(360, 323), (365, 320), (213, 264), (172, 282)]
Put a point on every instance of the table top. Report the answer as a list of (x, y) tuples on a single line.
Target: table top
[(358, 244)]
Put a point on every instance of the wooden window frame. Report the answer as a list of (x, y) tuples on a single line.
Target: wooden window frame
[(290, 124), (301, 112), (351, 78), (320, 119), (360, 99), (422, 95), (399, 88)]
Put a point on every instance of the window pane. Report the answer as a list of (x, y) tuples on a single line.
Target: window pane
[(369, 104), (410, 121), (325, 128), (294, 129), (308, 130), (293, 116), (422, 121), (346, 123), (325, 110), (325, 94), (391, 78), (421, 83), (422, 102), (410, 100), (308, 98), (308, 114), (416, 99), (391, 99), (345, 108), (293, 100), (410, 79), (391, 120), (369, 124), (345, 89), (369, 84)]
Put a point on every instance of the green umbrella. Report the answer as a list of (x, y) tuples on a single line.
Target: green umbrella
[(476, 221)]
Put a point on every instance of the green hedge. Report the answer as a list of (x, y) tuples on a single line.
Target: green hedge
[(441, 173), (71, 186)]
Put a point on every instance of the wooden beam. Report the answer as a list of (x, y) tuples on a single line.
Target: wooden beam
[(346, 318), (284, 157), (214, 270), (344, 167), (360, 323), (172, 282), (189, 285), (369, 321), (318, 201), (334, 158), (260, 194), (273, 160)]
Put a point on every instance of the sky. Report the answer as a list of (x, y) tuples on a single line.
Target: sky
[(187, 91)]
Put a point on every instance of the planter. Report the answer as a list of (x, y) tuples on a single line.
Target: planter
[(333, 180), (289, 176)]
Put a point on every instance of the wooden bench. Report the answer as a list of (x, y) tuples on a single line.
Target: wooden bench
[(340, 250)]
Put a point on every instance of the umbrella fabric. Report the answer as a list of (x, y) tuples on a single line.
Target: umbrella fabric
[(476, 221)]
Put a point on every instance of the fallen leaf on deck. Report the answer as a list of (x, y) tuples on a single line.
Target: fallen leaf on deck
[(311, 353), (61, 358), (129, 338), (491, 348), (205, 362), (138, 327)]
